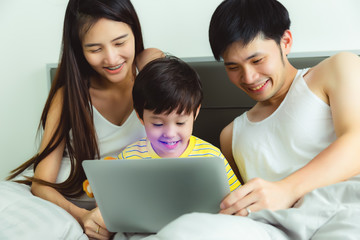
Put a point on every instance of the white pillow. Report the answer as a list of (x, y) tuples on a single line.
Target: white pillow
[(25, 216)]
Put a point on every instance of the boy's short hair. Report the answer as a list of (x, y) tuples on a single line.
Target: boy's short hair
[(167, 84), (244, 20)]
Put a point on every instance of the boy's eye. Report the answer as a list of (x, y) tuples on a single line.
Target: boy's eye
[(157, 124), (180, 123)]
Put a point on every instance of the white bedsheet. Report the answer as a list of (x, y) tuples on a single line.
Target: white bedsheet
[(24, 216), (329, 213)]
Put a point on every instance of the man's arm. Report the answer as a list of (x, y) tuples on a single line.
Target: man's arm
[(337, 82), (226, 149), (340, 80)]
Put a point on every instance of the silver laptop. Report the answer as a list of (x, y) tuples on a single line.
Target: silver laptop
[(144, 195)]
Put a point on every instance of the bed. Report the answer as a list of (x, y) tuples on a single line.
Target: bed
[(24, 216)]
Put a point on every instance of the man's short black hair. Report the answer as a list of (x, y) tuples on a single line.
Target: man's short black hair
[(244, 20)]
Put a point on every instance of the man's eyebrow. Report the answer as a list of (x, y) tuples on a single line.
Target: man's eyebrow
[(98, 44), (229, 63), (248, 58)]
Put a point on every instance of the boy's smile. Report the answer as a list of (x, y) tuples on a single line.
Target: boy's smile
[(170, 145)]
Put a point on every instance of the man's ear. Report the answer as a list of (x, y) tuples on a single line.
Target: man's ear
[(197, 112), (286, 42), (141, 120)]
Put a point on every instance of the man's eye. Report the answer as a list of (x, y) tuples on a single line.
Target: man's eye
[(257, 60), (232, 68)]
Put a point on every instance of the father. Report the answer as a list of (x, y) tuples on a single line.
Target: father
[(297, 149)]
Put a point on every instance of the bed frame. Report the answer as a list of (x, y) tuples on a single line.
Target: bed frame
[(222, 100)]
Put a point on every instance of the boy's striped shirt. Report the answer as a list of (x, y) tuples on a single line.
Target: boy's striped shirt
[(197, 147)]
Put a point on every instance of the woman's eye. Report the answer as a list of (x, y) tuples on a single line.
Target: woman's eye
[(119, 43), (95, 50)]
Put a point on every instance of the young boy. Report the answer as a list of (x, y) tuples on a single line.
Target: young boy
[(167, 96)]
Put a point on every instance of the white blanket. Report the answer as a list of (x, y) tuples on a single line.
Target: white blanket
[(24, 216), (329, 213)]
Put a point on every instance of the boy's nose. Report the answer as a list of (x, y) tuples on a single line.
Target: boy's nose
[(169, 132)]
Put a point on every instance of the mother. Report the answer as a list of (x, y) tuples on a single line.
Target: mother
[(89, 112)]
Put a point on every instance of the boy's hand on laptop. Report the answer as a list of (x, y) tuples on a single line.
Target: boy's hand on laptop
[(94, 225)]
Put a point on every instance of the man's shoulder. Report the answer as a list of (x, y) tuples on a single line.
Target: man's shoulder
[(336, 63), (331, 73)]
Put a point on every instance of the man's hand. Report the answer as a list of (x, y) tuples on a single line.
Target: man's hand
[(258, 194)]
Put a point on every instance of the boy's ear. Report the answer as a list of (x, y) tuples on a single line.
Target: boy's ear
[(142, 121), (197, 112)]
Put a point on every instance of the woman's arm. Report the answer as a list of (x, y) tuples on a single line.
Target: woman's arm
[(48, 170)]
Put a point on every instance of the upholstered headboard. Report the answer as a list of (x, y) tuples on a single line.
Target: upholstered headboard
[(222, 100)]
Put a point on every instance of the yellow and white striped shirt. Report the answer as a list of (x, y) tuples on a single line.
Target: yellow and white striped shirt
[(142, 149)]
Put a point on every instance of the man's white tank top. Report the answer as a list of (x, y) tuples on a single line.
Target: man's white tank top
[(299, 129)]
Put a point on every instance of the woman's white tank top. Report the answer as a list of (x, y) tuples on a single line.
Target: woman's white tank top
[(299, 129), (112, 139)]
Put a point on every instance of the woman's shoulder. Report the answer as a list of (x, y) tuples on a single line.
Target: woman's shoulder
[(56, 103), (146, 56), (58, 96)]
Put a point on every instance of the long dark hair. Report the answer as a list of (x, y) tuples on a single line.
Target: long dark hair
[(73, 75)]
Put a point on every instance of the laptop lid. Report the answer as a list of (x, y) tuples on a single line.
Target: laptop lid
[(144, 195)]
